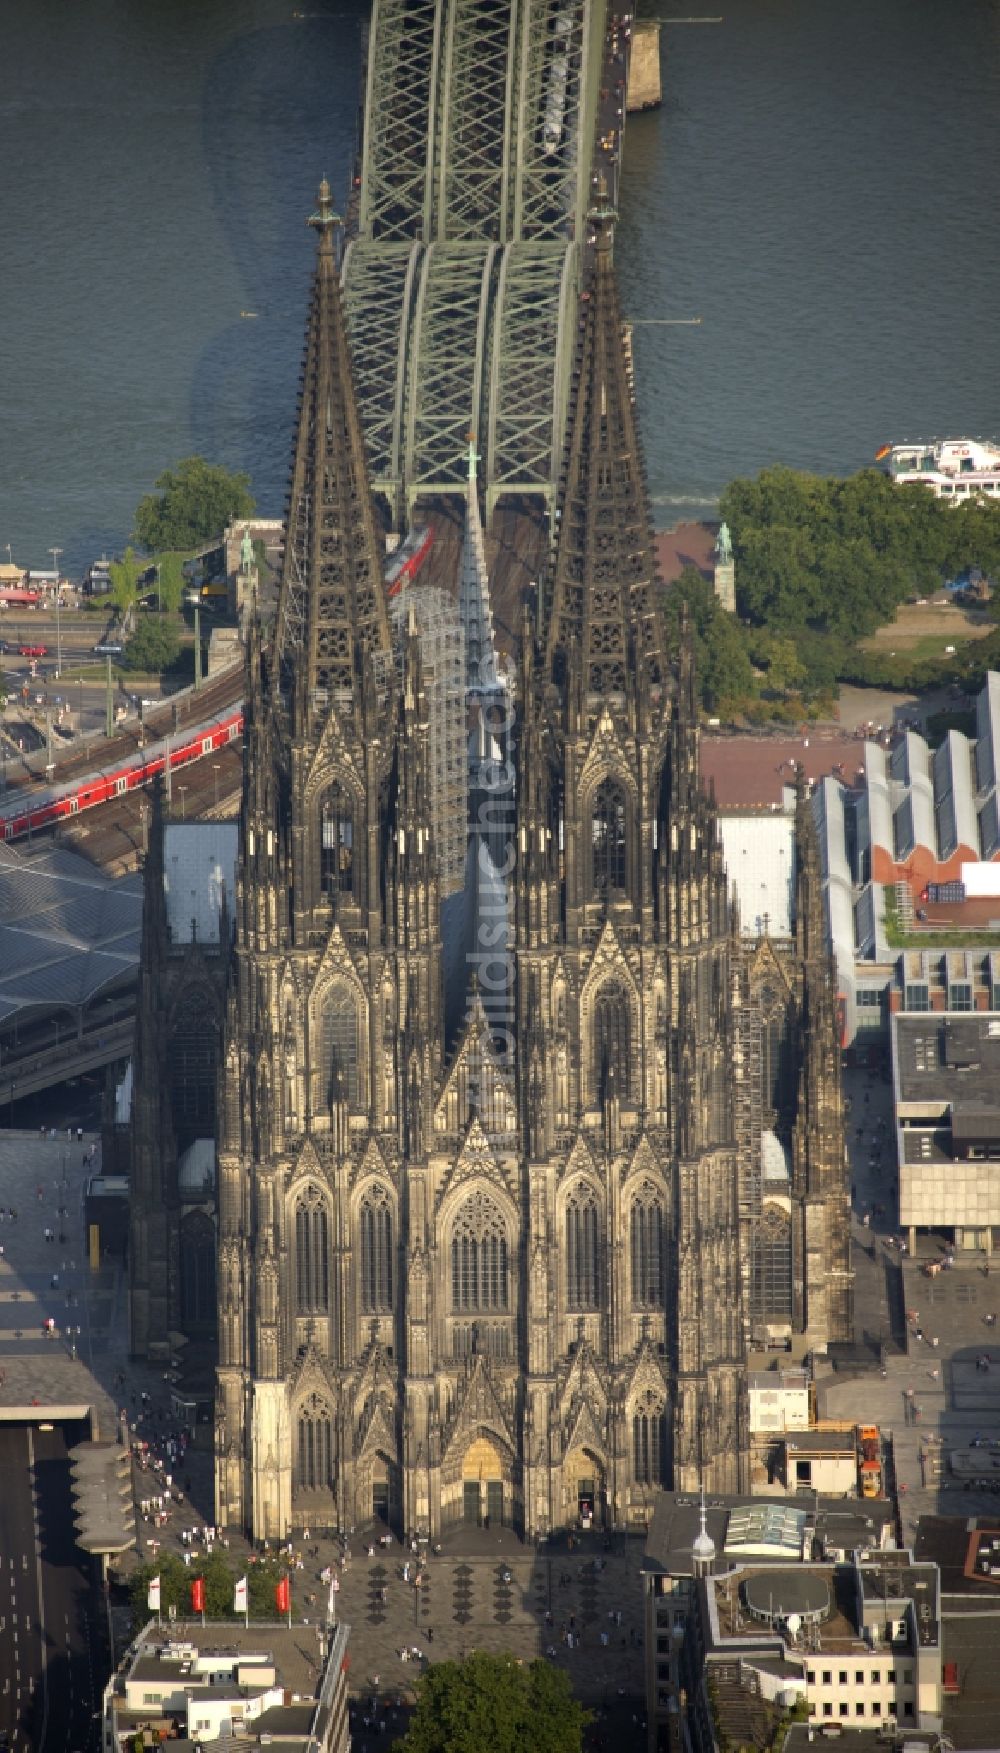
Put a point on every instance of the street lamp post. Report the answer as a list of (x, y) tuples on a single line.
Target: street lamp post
[(182, 789), (215, 770), (195, 600), (56, 552)]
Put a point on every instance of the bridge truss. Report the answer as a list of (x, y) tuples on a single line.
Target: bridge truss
[(460, 286)]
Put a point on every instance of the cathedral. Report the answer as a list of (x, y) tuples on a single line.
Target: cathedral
[(506, 1185)]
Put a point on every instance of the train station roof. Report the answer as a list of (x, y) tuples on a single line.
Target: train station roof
[(199, 874), (67, 932)]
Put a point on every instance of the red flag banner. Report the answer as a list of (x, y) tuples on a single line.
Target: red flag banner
[(283, 1595), (198, 1595)]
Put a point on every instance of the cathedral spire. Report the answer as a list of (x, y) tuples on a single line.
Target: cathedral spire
[(481, 672), (331, 606), (604, 588)]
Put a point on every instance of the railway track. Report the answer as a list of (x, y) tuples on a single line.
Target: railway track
[(174, 714), (516, 553), (114, 835)]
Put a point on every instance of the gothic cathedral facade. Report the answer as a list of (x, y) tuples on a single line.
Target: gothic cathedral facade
[(505, 1270)]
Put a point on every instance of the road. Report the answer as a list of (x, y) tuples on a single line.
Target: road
[(48, 1679)]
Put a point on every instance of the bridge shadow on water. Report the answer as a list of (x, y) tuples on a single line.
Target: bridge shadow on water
[(261, 90)]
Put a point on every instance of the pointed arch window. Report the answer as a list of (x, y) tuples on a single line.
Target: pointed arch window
[(340, 1044), (312, 1253), (771, 1282), (612, 1062), (649, 1441), (582, 1266), (194, 1047), (199, 1301), (778, 1070), (314, 1446), (337, 842), (647, 1227), (376, 1252), (608, 840), (479, 1258)]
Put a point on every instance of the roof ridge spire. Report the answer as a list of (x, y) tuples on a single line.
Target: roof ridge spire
[(325, 220), (331, 602), (475, 608)]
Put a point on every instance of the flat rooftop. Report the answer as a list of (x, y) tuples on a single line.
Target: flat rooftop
[(753, 772), (837, 1630), (895, 1579), (771, 1528), (966, 1550), (293, 1656), (972, 1715), (821, 1442), (290, 1661), (951, 1060)]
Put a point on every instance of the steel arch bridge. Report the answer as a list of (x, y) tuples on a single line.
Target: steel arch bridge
[(461, 283)]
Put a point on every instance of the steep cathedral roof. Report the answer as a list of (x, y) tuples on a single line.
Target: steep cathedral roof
[(331, 605), (604, 607)]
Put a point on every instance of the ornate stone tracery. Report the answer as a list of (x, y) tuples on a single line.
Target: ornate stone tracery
[(493, 1271)]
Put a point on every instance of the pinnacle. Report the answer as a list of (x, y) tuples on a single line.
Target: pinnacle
[(604, 592), (331, 606)]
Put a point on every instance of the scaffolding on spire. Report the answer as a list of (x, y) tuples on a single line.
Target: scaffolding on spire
[(481, 668), (432, 615)]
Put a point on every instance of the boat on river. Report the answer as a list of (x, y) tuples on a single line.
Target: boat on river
[(953, 468)]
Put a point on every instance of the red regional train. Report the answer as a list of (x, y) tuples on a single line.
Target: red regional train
[(409, 557), (19, 815)]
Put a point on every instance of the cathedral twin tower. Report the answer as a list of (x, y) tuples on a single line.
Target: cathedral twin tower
[(502, 1268)]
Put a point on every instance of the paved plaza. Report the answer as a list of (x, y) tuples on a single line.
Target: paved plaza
[(484, 1590), (934, 1400), (44, 1277)]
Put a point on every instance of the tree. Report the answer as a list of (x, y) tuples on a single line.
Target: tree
[(154, 646), (124, 575), (839, 556), (170, 581), (195, 503), (219, 1574), (722, 665), (494, 1704)]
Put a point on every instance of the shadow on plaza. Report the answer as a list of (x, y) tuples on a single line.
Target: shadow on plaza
[(484, 1589)]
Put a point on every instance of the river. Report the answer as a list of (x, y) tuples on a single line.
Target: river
[(815, 188)]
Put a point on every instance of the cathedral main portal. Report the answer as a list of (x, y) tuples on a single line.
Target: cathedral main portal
[(583, 1490), (485, 1498)]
